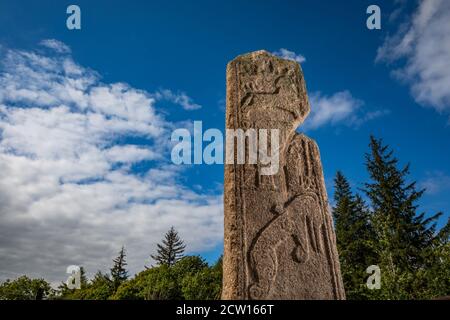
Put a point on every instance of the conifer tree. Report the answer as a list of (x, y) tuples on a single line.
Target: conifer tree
[(118, 272), (402, 234), (170, 250), (83, 278), (354, 237)]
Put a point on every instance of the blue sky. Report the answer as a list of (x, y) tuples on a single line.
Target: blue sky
[(172, 56)]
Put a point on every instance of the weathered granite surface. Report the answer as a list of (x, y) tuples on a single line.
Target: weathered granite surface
[(279, 239)]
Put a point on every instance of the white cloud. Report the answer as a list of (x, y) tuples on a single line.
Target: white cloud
[(290, 55), (56, 45), (68, 194), (435, 182), (338, 108), (129, 154), (179, 98), (422, 47)]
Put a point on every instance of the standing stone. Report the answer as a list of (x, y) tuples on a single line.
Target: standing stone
[(279, 239)]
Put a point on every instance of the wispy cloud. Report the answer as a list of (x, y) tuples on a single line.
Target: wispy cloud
[(68, 190), (56, 45), (338, 108), (435, 182), (421, 46), (180, 98), (291, 55)]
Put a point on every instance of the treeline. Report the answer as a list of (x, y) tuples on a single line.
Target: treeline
[(175, 277), (379, 225), (382, 226)]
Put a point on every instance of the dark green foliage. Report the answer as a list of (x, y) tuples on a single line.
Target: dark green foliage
[(101, 288), (75, 294), (404, 238), (205, 284), (353, 234), (190, 265), (189, 278), (83, 278), (24, 288), (133, 289), (162, 283), (402, 231), (393, 234), (171, 250), (118, 272)]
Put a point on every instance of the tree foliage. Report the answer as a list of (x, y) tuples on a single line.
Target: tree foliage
[(170, 250), (118, 272), (189, 278), (24, 288), (354, 233), (403, 241)]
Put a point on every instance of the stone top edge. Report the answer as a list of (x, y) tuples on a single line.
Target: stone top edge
[(257, 53)]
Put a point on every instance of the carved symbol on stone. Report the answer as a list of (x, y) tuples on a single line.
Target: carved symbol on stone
[(297, 224), (266, 79)]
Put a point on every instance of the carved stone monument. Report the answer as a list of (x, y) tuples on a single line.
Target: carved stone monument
[(279, 238)]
